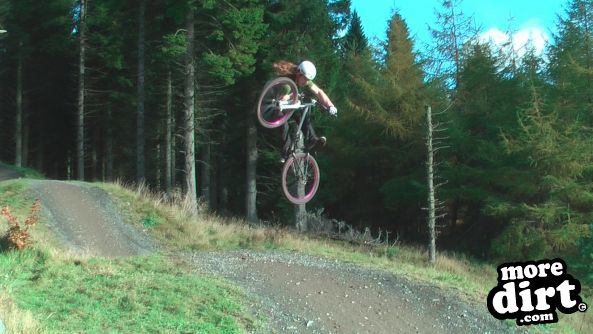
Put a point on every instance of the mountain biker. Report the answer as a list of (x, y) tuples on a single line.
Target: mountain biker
[(303, 75)]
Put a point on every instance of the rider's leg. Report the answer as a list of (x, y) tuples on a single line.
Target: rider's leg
[(309, 131), (312, 138), (287, 140)]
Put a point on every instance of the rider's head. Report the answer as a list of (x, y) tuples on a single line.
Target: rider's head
[(307, 69)]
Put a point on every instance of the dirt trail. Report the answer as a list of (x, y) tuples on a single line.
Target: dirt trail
[(294, 292), (86, 220), (305, 294), (7, 174)]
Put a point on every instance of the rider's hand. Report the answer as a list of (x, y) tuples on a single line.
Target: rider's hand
[(333, 111)]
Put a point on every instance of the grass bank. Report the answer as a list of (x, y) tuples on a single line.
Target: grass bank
[(125, 295), (27, 173)]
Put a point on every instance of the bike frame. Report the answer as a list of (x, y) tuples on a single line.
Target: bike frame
[(307, 108)]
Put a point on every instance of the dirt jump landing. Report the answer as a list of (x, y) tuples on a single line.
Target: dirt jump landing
[(85, 219)]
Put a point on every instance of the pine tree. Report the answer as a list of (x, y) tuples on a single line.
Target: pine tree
[(140, 114), (355, 41), (552, 220), (552, 216), (4, 9), (37, 36), (110, 89), (454, 30), (479, 170), (80, 136), (395, 99), (379, 134), (189, 113), (571, 61)]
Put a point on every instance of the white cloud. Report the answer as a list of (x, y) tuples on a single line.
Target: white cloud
[(530, 34)]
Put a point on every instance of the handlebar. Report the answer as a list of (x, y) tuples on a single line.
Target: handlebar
[(286, 105)]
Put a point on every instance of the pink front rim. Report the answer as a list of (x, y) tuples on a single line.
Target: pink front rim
[(277, 122)]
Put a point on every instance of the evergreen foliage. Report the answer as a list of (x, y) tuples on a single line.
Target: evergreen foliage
[(355, 41), (519, 164), (571, 60), (582, 261), (453, 31)]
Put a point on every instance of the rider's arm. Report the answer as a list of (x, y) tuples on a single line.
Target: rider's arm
[(285, 93), (321, 96)]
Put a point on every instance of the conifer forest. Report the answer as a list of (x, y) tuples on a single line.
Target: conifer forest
[(164, 92)]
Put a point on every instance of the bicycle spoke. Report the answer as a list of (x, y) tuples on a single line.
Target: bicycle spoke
[(301, 178), (279, 90)]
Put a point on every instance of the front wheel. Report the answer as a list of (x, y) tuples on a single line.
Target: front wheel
[(300, 178), (278, 91)]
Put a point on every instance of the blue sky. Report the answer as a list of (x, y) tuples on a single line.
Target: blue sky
[(532, 19)]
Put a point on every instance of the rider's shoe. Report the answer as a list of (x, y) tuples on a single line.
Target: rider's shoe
[(318, 142), (322, 141)]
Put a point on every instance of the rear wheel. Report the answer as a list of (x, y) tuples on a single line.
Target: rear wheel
[(300, 178), (277, 91)]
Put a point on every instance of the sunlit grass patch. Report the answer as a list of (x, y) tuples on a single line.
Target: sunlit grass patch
[(13, 195), (18, 321), (134, 295), (172, 222)]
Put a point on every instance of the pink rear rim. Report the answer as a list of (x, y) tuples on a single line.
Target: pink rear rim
[(296, 164)]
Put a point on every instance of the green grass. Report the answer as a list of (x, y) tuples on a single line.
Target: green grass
[(25, 172), (170, 222), (13, 195), (132, 295)]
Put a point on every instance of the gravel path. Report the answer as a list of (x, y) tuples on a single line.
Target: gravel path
[(303, 294)]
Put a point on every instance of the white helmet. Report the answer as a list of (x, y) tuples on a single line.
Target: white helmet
[(307, 69)]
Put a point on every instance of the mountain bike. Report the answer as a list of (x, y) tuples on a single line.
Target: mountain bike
[(277, 103)]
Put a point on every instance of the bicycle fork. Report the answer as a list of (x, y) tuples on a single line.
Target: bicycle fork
[(301, 169)]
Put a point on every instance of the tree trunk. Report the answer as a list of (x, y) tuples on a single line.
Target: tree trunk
[(158, 170), (205, 170), (140, 140), (300, 210), (224, 197), (173, 151), (95, 162), (431, 189), (168, 135), (109, 146), (190, 161), (251, 170), (222, 176), (18, 131), (26, 134), (39, 154), (214, 177), (81, 92)]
